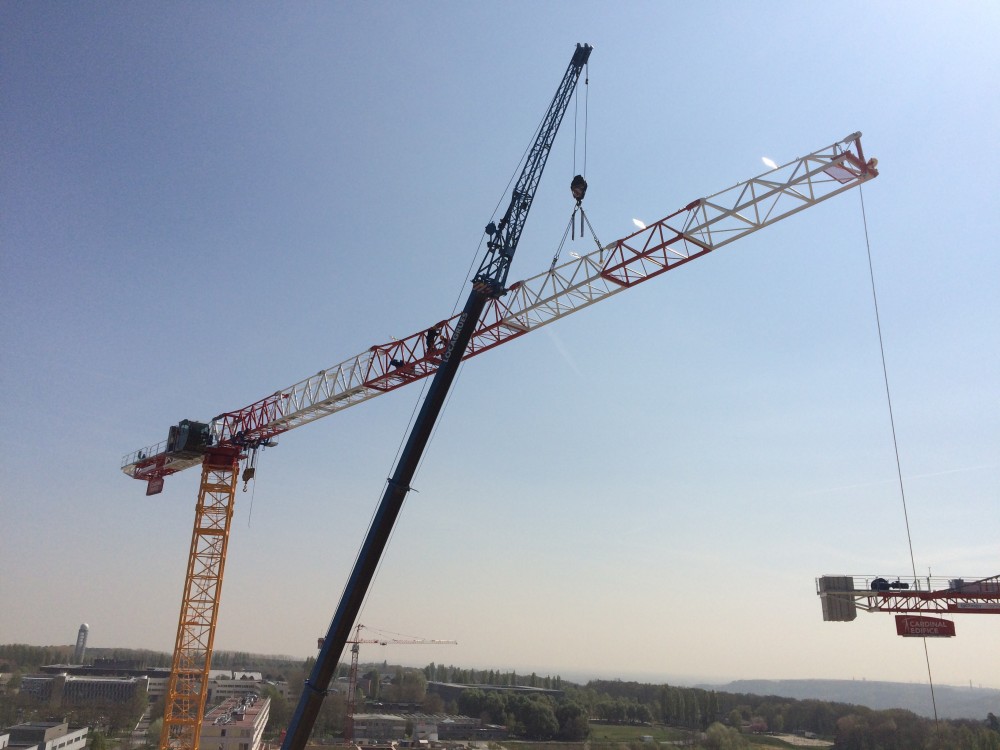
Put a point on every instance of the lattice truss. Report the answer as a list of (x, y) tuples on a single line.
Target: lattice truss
[(978, 596), (842, 596), (703, 225), (188, 684)]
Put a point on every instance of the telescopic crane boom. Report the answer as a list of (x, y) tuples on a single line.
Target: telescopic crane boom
[(487, 284)]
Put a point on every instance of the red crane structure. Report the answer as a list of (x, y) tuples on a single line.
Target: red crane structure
[(843, 596), (703, 225), (221, 444)]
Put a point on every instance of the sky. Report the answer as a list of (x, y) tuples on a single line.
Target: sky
[(205, 202)]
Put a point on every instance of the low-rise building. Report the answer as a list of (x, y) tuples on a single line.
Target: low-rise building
[(44, 735), (236, 724), (370, 728), (222, 683), (63, 689), (379, 727)]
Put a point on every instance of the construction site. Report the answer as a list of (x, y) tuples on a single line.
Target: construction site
[(734, 439)]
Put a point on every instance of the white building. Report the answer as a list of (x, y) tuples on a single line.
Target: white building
[(236, 724), (223, 684), (44, 735)]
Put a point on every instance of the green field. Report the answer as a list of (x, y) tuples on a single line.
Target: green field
[(615, 737)]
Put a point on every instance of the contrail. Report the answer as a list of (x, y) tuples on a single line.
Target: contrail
[(564, 352)]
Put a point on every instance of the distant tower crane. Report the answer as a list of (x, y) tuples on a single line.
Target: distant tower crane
[(352, 679), (494, 314)]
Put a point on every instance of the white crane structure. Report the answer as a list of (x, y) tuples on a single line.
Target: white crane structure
[(219, 445), (703, 225)]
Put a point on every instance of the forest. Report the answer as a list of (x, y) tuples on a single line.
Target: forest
[(612, 713)]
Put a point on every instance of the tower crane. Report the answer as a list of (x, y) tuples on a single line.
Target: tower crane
[(352, 679), (842, 597), (495, 313)]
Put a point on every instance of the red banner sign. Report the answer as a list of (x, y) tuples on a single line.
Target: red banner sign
[(916, 626)]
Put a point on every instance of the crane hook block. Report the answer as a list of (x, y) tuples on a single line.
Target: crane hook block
[(578, 187), (248, 474)]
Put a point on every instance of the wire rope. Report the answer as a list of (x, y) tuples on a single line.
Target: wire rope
[(426, 381), (892, 425), (586, 113), (424, 385)]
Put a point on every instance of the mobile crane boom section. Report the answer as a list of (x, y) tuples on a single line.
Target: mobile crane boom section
[(701, 226), (486, 285)]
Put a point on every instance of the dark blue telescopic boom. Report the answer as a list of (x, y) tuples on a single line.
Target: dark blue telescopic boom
[(488, 283)]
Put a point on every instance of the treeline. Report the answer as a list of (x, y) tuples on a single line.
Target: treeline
[(440, 673), (566, 716), (19, 657), (532, 717), (851, 727), (109, 717)]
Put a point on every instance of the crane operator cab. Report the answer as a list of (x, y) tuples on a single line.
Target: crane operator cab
[(188, 439)]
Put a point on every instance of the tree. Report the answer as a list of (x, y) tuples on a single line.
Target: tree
[(574, 725), (433, 704), (721, 737), (494, 708), (330, 720), (279, 711), (152, 734), (538, 720), (414, 687)]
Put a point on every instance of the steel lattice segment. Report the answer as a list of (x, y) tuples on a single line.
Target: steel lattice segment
[(703, 225), (980, 597), (505, 235), (188, 685), (908, 594)]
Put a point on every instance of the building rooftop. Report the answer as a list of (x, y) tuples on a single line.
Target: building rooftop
[(236, 711)]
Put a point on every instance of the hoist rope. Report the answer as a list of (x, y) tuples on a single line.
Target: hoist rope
[(458, 301), (586, 119), (586, 113), (892, 425), (253, 494)]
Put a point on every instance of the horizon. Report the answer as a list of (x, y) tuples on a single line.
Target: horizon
[(574, 676)]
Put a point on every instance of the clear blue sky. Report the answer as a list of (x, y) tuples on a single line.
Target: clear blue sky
[(203, 203)]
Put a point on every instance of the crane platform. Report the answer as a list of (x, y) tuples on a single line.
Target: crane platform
[(843, 595)]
